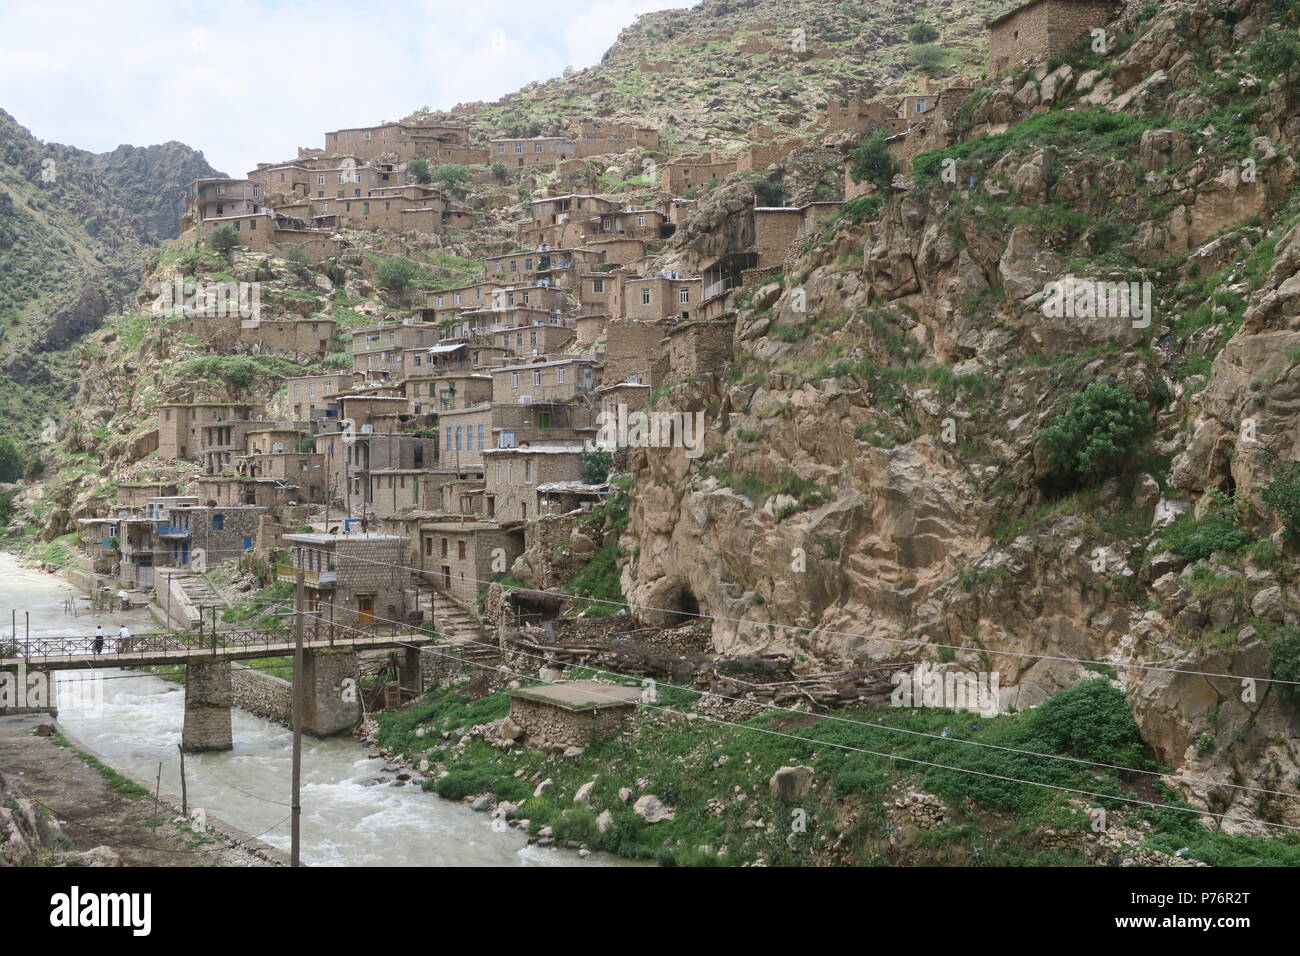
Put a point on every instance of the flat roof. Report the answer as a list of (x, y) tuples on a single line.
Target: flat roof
[(580, 695), (333, 538), (537, 450)]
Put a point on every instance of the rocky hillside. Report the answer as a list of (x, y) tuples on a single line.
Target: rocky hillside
[(929, 455), (706, 75), (75, 227)]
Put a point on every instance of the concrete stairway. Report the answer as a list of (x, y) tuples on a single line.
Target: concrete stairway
[(461, 627)]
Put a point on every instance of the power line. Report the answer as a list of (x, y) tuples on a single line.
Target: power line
[(887, 756)]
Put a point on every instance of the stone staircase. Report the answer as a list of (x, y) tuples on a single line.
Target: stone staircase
[(190, 593), (461, 628)]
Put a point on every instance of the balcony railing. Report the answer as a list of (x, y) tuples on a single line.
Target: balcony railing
[(287, 572), (172, 531)]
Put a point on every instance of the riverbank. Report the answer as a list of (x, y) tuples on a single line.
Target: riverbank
[(694, 782), (101, 806)]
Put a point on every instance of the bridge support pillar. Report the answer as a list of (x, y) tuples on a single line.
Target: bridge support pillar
[(331, 692), (207, 707), (410, 676)]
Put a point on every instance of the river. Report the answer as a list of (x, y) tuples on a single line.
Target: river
[(347, 820)]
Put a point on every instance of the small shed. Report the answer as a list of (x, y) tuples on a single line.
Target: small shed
[(570, 713)]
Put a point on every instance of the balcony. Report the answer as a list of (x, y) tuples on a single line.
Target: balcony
[(319, 579), (172, 531)]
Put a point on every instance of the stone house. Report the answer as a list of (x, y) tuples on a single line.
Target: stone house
[(132, 496), (533, 338), (370, 453), (445, 303), (643, 224), (379, 348), (680, 177), (459, 557), (356, 580), (442, 392), (778, 228), (513, 474), (560, 380), (540, 423), (535, 151), (859, 114), (221, 440), (699, 348), (1034, 31), (464, 433), (222, 533), (660, 297), (633, 350), (220, 199), (178, 435), (394, 491), (312, 397)]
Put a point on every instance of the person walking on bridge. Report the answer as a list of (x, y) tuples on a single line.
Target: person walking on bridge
[(99, 638), (122, 637)]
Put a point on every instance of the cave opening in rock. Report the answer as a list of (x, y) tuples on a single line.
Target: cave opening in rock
[(688, 605)]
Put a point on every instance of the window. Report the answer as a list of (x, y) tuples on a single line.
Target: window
[(519, 147), (597, 285), (501, 147), (457, 299), (537, 379), (218, 522), (514, 380), (428, 547), (640, 220), (645, 296), (444, 547), (559, 376), (460, 550), (458, 429), (320, 180), (532, 338), (480, 436), (683, 296), (537, 147), (528, 469)]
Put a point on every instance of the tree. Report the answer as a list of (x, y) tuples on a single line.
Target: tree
[(595, 466), (927, 58), (1102, 428), (1276, 53), (11, 460), (922, 33), (872, 161), (223, 239), (1283, 495), (499, 171), (297, 257), (395, 275), (453, 178), (1284, 659), (419, 170)]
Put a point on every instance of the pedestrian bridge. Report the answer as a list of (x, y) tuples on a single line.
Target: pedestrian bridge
[(331, 670)]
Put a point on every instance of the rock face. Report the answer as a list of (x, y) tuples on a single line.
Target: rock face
[(873, 479)]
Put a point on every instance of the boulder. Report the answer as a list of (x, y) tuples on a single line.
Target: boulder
[(791, 784), (651, 809)]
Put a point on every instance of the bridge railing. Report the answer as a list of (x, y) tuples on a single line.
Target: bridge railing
[(155, 644)]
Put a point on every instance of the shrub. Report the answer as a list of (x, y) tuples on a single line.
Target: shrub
[(1194, 540), (223, 239), (1102, 428), (922, 33), (1284, 659), (872, 162), (595, 466), (927, 58), (395, 275), (297, 257), (1283, 496), (11, 460), (418, 169), (499, 171)]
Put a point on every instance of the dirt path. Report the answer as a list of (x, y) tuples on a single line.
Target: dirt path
[(93, 811)]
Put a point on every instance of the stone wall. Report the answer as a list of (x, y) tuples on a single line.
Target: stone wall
[(261, 693), (547, 727), (1037, 31), (699, 348)]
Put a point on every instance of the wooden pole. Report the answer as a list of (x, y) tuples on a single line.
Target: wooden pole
[(298, 707), (185, 803)]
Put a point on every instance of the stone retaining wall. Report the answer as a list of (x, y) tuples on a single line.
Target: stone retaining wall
[(261, 693)]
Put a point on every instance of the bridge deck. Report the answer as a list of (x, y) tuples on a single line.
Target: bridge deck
[(149, 649)]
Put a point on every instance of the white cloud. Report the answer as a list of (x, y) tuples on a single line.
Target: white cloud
[(265, 76)]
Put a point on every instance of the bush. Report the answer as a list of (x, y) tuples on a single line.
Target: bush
[(1283, 496), (1194, 540), (223, 239), (460, 784), (499, 171), (452, 177), (872, 162), (927, 58), (768, 193), (1102, 428), (922, 33), (395, 275), (1284, 659), (595, 466), (11, 460), (418, 169), (297, 257)]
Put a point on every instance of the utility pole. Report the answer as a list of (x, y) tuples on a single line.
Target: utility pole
[(298, 707)]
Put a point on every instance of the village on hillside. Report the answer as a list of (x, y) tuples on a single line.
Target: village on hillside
[(455, 436)]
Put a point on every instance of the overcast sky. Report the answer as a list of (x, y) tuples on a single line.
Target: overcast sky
[(252, 80)]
